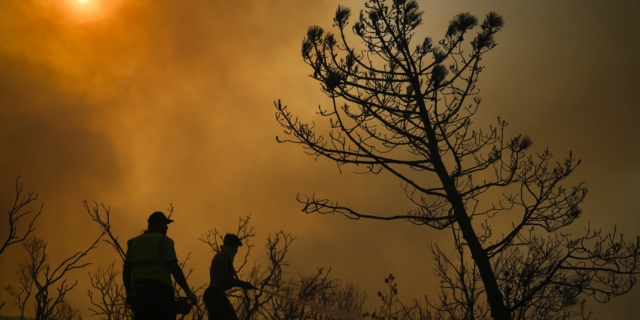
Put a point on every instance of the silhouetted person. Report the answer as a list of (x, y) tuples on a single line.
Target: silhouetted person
[(222, 277), (149, 263)]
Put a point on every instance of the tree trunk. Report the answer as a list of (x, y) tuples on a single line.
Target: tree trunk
[(494, 297)]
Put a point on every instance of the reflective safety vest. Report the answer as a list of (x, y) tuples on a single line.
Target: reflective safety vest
[(148, 254)]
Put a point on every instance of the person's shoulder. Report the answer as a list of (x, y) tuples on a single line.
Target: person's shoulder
[(220, 255), (140, 236), (168, 242)]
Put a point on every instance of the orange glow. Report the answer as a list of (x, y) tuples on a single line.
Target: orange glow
[(87, 11), (141, 104)]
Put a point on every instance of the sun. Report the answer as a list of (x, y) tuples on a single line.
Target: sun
[(86, 11)]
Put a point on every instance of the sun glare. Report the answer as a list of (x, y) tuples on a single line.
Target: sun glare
[(87, 10)]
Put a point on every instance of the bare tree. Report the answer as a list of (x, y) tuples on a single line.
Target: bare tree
[(317, 297), (392, 308), (460, 284), (47, 284), (407, 109), (22, 292), (64, 311), (101, 215), (19, 211), (110, 299)]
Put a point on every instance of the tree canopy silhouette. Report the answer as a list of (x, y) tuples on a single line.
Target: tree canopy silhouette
[(406, 107)]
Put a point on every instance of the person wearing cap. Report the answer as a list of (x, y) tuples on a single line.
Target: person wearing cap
[(223, 277), (149, 263)]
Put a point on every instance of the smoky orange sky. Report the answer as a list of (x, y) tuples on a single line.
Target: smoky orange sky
[(143, 104)]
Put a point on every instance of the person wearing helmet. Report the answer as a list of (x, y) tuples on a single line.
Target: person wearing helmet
[(223, 277), (149, 263)]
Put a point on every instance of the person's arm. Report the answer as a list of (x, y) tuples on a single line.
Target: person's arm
[(171, 261), (227, 278), (178, 275), (181, 280)]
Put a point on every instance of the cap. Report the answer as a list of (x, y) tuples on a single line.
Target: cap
[(231, 240), (158, 217)]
